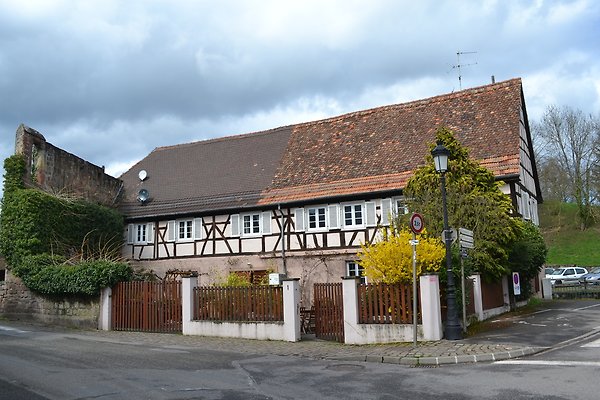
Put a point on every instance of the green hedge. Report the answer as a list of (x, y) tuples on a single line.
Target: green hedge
[(50, 275), (527, 257)]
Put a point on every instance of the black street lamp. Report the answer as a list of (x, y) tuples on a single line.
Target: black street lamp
[(453, 329)]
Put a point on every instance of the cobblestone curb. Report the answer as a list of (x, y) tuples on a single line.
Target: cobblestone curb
[(426, 353), (437, 353)]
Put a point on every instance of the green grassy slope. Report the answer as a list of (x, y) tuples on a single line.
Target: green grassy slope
[(566, 243)]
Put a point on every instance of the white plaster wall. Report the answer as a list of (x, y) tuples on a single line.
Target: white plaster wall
[(382, 333), (333, 239), (147, 252), (252, 245), (185, 249), (245, 330)]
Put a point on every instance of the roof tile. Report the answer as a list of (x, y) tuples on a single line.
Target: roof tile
[(352, 154)]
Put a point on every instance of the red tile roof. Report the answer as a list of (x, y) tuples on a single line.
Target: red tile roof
[(353, 154)]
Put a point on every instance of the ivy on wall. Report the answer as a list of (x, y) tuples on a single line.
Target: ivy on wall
[(84, 239)]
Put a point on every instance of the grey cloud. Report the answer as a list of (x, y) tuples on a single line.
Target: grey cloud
[(112, 86)]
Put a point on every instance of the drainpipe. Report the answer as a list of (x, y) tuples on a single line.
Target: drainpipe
[(284, 271)]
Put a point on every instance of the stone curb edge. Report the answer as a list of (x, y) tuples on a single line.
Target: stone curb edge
[(444, 360)]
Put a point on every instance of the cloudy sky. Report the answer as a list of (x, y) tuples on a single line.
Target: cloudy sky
[(111, 80)]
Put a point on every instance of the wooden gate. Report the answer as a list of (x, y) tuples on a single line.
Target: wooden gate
[(147, 306), (329, 311)]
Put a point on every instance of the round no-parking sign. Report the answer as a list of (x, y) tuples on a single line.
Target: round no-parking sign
[(416, 223), (516, 283)]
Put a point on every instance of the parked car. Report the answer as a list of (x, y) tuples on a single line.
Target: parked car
[(592, 277), (564, 275)]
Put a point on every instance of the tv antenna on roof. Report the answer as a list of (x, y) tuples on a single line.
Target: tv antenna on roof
[(459, 65)]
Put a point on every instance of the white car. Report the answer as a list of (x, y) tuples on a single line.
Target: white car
[(564, 275)]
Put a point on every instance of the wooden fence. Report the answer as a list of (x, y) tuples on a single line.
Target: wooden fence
[(385, 304), (147, 306), (252, 303)]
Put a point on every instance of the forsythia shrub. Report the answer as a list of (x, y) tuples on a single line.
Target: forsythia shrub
[(390, 260), (235, 280)]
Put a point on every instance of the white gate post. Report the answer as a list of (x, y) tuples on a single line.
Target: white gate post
[(350, 301), (431, 311), (547, 289), (477, 296), (188, 283), (291, 309), (105, 317)]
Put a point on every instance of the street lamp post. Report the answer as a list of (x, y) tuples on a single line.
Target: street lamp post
[(453, 329)]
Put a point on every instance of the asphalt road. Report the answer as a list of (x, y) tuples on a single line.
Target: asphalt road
[(10, 390), (555, 322), (36, 363)]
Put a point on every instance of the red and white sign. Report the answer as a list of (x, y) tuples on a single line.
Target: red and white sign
[(416, 223)]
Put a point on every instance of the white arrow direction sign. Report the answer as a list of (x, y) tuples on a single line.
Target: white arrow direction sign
[(466, 238)]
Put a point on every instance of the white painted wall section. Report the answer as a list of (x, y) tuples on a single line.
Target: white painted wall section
[(288, 330)]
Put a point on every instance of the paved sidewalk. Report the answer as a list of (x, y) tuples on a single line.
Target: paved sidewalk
[(425, 353)]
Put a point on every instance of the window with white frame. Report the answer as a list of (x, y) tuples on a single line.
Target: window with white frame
[(251, 224), (401, 208), (317, 217), (353, 215), (140, 233), (254, 224), (185, 230), (354, 269)]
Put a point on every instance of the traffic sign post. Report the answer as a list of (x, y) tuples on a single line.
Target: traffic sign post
[(416, 225), (465, 238)]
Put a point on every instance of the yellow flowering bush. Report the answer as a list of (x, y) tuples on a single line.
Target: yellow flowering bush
[(390, 260)]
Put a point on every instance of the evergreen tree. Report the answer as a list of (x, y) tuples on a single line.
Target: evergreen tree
[(474, 201)]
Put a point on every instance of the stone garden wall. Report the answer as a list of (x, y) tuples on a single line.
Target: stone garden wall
[(18, 302)]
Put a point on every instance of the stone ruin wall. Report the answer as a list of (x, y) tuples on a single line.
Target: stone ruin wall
[(56, 171), (61, 173)]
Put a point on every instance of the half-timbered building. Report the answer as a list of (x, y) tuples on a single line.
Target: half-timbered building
[(301, 199)]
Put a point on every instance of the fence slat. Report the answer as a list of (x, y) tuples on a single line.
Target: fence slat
[(329, 312), (244, 304), (385, 303)]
